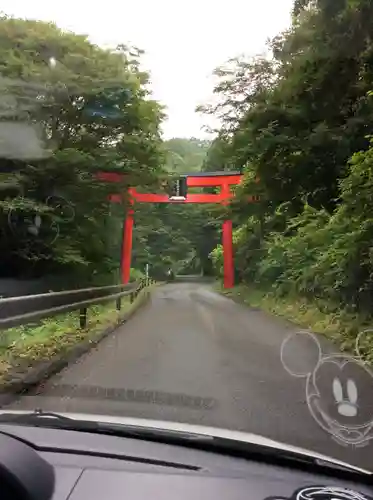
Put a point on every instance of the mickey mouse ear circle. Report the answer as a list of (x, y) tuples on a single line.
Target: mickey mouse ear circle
[(363, 344), (300, 353)]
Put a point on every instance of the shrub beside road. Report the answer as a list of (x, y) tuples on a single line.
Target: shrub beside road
[(339, 326)]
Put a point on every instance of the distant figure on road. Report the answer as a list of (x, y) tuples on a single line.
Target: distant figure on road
[(170, 275)]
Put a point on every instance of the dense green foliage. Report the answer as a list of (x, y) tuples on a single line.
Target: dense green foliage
[(177, 236), (300, 123), (69, 109), (185, 155)]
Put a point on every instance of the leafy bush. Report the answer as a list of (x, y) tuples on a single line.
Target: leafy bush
[(136, 275), (318, 255)]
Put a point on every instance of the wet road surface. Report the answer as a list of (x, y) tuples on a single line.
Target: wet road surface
[(192, 355)]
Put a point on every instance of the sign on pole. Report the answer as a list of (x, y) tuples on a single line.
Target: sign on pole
[(147, 273)]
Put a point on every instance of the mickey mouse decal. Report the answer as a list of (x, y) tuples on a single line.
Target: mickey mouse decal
[(31, 226), (323, 493), (338, 387)]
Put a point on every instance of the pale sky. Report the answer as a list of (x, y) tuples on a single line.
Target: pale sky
[(183, 41)]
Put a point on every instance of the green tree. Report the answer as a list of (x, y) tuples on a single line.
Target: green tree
[(92, 111), (293, 123), (185, 155), (178, 236)]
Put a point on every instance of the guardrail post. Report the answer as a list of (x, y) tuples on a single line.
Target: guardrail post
[(119, 303), (132, 297), (83, 317)]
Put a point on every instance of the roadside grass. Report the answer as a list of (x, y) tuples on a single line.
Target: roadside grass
[(27, 344), (338, 325)]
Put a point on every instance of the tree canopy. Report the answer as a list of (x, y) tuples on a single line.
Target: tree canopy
[(68, 110), (299, 124), (177, 236)]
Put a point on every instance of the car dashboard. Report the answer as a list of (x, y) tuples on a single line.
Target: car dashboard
[(90, 466)]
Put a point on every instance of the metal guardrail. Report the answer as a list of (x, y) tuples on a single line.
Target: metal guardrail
[(28, 310), (16, 306)]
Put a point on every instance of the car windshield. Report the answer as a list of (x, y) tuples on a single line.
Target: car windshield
[(186, 216)]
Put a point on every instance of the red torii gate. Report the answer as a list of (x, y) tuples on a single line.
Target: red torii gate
[(224, 180)]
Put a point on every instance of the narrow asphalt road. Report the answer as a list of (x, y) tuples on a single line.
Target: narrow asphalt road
[(191, 355)]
